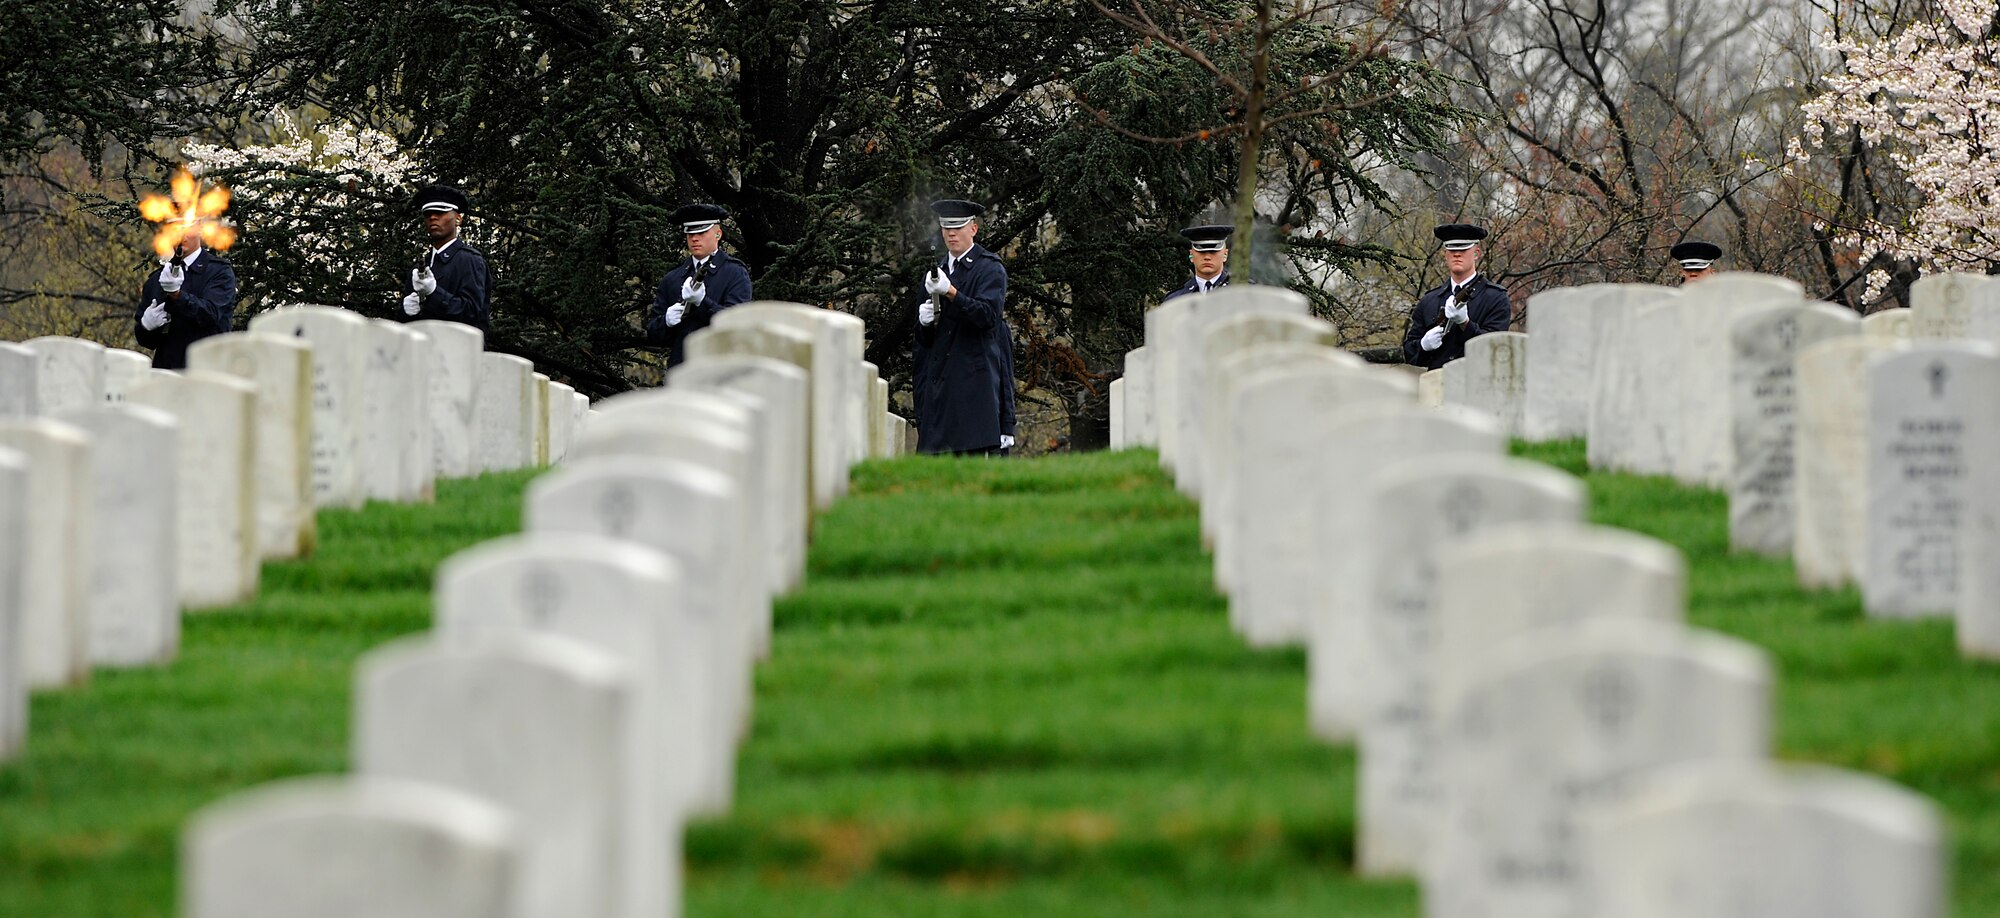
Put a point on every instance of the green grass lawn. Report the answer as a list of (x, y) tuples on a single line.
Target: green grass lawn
[(1006, 689)]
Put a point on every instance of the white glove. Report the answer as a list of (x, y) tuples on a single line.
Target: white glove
[(936, 283), (1433, 339), (412, 304), (154, 316), (1456, 312), (1006, 441), (171, 277), (691, 292), (927, 312), (675, 312), (423, 281)]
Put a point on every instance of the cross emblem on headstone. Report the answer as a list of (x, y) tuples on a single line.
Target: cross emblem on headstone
[(1938, 373), (616, 509), (1462, 506), (1609, 697), (1788, 332), (542, 592)]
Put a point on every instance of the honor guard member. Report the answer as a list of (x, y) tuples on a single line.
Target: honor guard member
[(190, 297), (964, 380), (1208, 251), (1465, 307), (707, 282), (453, 280), (1697, 259)]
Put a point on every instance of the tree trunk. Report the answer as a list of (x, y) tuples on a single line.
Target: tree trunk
[(1251, 153)]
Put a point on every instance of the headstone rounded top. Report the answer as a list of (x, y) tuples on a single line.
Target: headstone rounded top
[(1376, 412), (125, 412), (637, 468), (575, 660), (1743, 287), (64, 341), (1629, 547), (1628, 637), (332, 314), (569, 548), (465, 818), (672, 403), (1458, 466), (1282, 299), (1882, 805), (1284, 353), (721, 369), (48, 428)]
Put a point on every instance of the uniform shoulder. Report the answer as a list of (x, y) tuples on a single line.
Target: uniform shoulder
[(467, 248)]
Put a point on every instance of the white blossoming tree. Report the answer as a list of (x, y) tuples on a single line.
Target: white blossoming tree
[(323, 210), (1927, 97)]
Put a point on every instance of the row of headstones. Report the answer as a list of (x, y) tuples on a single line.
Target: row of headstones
[(588, 682), (1845, 442), (1539, 733), (128, 494)]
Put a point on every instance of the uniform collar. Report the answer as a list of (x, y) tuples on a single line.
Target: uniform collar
[(441, 249), (1450, 285), (189, 261)]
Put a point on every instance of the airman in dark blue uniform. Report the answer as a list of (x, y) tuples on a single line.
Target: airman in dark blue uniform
[(705, 283), (1696, 259), (964, 362), (1208, 251), (190, 297), (453, 281), (1465, 307)]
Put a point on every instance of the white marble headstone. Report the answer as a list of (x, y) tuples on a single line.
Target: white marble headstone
[(1492, 377), (1186, 392), (1829, 459), (18, 371), (1282, 421), (621, 598), (652, 501), (55, 581), (1365, 440), (69, 373), (281, 369), (1561, 720), (344, 847), (1887, 323), (794, 347), (1929, 409), (1207, 439), (338, 341), (1737, 840), (216, 541), (454, 396), (123, 369), (133, 573), (1139, 388), (1615, 388), (785, 391), (837, 398), (506, 406), (540, 415), (395, 413), (1415, 511), (1515, 579), (1228, 373), (541, 725), (13, 566), (562, 421), (1562, 359), (1943, 305), (1763, 403)]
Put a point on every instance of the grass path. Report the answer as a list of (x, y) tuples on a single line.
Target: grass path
[(1006, 689)]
